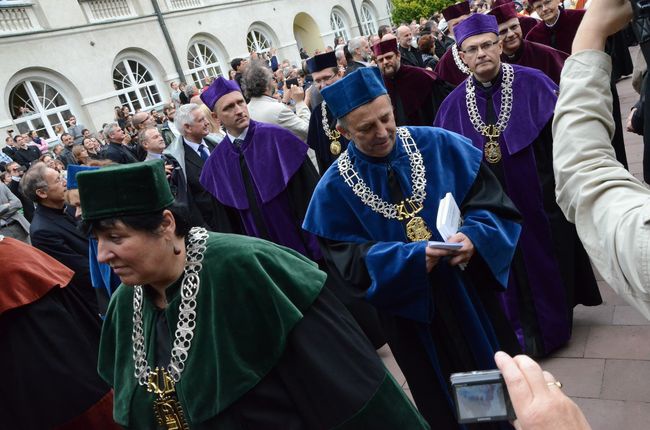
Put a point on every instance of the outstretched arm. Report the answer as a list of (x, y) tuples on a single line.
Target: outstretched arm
[(608, 205)]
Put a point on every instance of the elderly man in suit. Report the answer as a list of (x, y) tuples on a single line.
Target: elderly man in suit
[(54, 230), (191, 149), (12, 222)]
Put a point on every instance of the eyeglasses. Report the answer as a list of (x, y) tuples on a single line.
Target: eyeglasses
[(512, 28), (485, 46)]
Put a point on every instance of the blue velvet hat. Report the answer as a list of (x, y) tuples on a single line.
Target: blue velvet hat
[(321, 62), (356, 89), (217, 89), (475, 24), (73, 169)]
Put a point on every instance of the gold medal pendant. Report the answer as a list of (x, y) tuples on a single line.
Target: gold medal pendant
[(491, 149), (335, 147), (417, 230), (167, 408), (492, 152)]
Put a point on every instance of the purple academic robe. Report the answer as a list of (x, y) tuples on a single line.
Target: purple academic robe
[(274, 157), (416, 94), (534, 98), (560, 36), (538, 56), (527, 23), (448, 71)]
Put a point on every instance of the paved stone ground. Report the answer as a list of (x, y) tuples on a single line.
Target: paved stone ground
[(606, 366)]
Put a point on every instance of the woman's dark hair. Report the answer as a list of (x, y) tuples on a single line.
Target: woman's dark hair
[(148, 223)]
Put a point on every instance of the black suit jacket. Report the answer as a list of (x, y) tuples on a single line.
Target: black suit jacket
[(119, 154), (55, 232), (204, 209)]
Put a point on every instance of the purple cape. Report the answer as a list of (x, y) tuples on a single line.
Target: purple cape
[(561, 35), (447, 70), (534, 98), (273, 155), (412, 87), (538, 56)]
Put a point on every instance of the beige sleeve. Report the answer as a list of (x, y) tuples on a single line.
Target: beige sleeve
[(297, 123), (610, 208)]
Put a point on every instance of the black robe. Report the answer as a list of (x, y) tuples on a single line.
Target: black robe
[(318, 140), (347, 262)]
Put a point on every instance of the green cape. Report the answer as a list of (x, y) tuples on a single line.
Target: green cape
[(252, 294)]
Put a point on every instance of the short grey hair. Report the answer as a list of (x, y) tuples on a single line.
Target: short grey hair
[(108, 128), (143, 135), (184, 116), (256, 79), (32, 180), (355, 43)]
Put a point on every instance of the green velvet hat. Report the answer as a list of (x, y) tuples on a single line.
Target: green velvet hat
[(127, 189)]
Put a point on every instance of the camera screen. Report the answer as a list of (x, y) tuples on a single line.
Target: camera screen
[(481, 402)]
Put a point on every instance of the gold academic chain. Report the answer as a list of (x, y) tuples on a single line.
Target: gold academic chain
[(161, 382), (459, 62), (405, 209), (333, 135)]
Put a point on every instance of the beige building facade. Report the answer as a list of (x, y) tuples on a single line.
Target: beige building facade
[(85, 57)]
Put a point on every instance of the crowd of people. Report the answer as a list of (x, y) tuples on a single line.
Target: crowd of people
[(246, 250)]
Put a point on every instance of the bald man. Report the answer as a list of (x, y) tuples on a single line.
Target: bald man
[(410, 55)]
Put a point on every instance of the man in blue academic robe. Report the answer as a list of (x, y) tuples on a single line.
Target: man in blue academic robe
[(506, 111), (374, 210)]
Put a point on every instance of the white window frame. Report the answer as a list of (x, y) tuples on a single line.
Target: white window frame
[(137, 86), (40, 111), (253, 40), (338, 24), (204, 68), (368, 19)]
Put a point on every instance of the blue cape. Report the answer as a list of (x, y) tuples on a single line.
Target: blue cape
[(452, 164)]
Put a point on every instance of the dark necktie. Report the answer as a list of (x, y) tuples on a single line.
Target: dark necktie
[(238, 143), (203, 151)]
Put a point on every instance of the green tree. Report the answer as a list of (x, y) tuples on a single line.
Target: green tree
[(408, 10)]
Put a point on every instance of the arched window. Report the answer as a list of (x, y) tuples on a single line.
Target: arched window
[(135, 85), (337, 23), (38, 105), (368, 21), (258, 41), (203, 62)]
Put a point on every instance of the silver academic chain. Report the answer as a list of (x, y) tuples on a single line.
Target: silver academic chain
[(459, 62), (196, 247), (372, 200), (506, 101)]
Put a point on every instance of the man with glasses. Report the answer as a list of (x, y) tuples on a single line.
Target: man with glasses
[(16, 171), (516, 50), (507, 111), (322, 137), (54, 230), (415, 93)]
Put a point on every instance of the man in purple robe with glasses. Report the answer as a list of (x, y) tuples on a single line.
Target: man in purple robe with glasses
[(507, 111)]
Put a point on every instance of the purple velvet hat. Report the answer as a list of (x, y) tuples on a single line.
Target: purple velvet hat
[(219, 88), (456, 10), (504, 12), (475, 24), (389, 45)]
